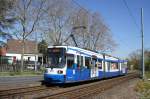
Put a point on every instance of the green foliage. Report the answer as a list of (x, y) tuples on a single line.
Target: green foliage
[(143, 89), (42, 69), (42, 47)]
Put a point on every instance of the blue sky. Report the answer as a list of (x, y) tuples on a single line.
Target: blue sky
[(125, 32)]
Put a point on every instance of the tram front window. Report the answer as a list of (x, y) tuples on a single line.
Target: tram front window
[(56, 57)]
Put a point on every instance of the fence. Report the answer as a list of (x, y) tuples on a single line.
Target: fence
[(9, 68), (7, 65)]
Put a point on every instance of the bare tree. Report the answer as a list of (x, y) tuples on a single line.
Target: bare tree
[(80, 19), (101, 38), (96, 36), (134, 59), (61, 20), (28, 14), (57, 20)]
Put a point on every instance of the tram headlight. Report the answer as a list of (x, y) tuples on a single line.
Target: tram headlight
[(60, 72)]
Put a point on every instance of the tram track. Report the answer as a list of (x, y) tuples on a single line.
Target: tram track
[(73, 92), (82, 91), (21, 92)]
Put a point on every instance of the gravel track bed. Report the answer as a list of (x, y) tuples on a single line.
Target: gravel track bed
[(121, 91)]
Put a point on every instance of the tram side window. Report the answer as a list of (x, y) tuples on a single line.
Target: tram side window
[(114, 65), (123, 65), (79, 61), (87, 62), (108, 65), (70, 60), (99, 64)]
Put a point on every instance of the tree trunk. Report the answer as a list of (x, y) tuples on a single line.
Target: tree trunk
[(22, 56)]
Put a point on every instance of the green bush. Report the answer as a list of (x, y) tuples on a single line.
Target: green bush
[(42, 69)]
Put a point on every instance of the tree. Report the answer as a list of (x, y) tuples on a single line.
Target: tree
[(57, 20), (79, 24), (96, 36), (61, 21), (100, 36), (29, 14), (42, 47), (6, 19), (135, 59)]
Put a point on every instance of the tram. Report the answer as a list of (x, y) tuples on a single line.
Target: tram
[(67, 64)]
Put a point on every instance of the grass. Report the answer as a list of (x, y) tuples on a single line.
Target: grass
[(25, 73), (143, 87), (147, 75)]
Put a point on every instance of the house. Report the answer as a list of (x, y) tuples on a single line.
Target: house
[(14, 49)]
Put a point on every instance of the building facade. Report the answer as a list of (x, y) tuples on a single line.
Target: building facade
[(31, 54)]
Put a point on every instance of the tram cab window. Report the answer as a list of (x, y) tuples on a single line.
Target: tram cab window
[(70, 60), (87, 62)]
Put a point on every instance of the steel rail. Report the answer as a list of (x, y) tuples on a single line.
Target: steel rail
[(21, 92), (89, 89)]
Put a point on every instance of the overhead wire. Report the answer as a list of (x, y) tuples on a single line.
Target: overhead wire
[(81, 6), (132, 16), (130, 13)]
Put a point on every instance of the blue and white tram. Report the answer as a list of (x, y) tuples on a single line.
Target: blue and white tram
[(68, 64)]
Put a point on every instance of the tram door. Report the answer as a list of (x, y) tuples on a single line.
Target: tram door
[(94, 68)]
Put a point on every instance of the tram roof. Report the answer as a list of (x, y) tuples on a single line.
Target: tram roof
[(90, 53)]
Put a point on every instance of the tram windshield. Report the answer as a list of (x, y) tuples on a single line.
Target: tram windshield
[(56, 57)]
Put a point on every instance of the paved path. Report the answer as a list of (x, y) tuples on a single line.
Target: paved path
[(15, 82)]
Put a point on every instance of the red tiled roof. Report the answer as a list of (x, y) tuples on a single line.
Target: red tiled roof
[(15, 46)]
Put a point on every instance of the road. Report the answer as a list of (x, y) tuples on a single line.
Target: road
[(19, 81)]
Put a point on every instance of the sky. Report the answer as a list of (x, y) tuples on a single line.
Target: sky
[(125, 25)]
